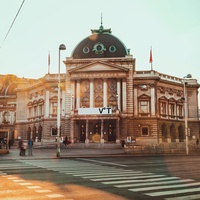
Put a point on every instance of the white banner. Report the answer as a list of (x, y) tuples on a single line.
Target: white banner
[(95, 111)]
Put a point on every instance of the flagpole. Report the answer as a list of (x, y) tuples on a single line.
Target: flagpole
[(49, 63), (151, 58)]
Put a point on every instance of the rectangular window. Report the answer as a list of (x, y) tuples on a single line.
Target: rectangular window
[(144, 106), (40, 110), (163, 108), (54, 108), (35, 111), (145, 131), (180, 110), (172, 109), (29, 112)]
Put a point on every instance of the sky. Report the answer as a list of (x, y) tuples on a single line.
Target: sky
[(171, 27)]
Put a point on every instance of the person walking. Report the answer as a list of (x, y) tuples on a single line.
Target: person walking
[(30, 147)]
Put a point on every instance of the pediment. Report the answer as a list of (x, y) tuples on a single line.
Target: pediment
[(98, 67)]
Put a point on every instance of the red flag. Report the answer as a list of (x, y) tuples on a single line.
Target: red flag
[(151, 58)]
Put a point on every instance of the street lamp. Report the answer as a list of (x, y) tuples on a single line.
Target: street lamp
[(186, 112), (61, 47)]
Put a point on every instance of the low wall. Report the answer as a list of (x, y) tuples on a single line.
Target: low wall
[(161, 148)]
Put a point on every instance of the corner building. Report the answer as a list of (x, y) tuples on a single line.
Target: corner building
[(104, 99), (146, 106)]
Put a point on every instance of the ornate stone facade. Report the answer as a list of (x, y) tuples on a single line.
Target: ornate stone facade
[(116, 100)]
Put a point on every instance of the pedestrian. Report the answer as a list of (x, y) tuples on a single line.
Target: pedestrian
[(65, 141), (197, 141), (10, 143), (30, 147), (21, 148)]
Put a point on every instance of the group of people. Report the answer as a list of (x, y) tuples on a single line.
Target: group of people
[(23, 146)]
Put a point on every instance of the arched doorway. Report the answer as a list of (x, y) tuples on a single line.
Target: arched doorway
[(39, 133), (181, 134), (164, 133), (29, 133), (172, 133), (34, 133)]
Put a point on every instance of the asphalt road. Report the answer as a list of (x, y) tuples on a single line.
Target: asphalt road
[(108, 177)]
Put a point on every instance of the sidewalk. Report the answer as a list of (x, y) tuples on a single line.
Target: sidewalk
[(51, 153)]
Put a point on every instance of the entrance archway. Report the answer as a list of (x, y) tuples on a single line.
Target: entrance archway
[(172, 133), (164, 133), (181, 134)]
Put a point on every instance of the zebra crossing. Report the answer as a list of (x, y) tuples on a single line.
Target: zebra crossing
[(150, 184)]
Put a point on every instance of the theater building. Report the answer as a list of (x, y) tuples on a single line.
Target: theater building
[(104, 99)]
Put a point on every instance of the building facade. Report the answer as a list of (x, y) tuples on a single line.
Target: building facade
[(104, 99)]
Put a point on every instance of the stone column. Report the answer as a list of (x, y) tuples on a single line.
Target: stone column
[(153, 111), (72, 96), (102, 139), (91, 93), (117, 131), (105, 100), (46, 112), (119, 94), (135, 99), (86, 132), (124, 99), (78, 94), (72, 130)]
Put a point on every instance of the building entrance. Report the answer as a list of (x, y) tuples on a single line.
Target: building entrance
[(111, 132), (82, 132)]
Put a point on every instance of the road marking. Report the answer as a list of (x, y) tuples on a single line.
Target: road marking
[(33, 187), (119, 178), (139, 181), (43, 191), (12, 178), (102, 174), (155, 194), (163, 187), (109, 163), (54, 195), (25, 184), (153, 183), (18, 180), (189, 197)]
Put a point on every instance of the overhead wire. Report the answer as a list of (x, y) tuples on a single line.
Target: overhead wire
[(12, 23)]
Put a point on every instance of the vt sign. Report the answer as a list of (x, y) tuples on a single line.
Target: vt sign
[(95, 111)]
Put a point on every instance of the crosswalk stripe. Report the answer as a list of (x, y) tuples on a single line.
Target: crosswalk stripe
[(140, 181), (121, 175), (188, 197), (153, 183), (170, 192), (163, 187), (106, 174), (119, 178)]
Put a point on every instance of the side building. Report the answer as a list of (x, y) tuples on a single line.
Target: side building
[(104, 99)]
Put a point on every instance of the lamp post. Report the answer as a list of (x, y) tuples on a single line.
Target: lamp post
[(61, 47), (186, 112)]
